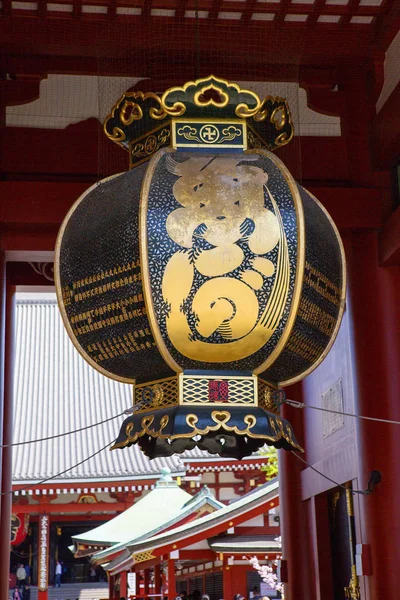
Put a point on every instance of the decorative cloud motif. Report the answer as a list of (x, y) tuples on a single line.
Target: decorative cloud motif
[(230, 133), (189, 133)]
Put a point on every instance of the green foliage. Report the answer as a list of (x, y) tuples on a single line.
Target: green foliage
[(271, 468)]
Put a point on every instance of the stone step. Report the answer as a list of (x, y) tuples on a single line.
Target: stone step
[(75, 591)]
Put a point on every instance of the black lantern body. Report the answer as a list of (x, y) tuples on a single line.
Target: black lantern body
[(207, 277)]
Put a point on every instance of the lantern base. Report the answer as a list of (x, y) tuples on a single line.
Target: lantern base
[(232, 432)]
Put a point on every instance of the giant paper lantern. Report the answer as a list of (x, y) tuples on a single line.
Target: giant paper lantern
[(19, 528), (205, 275)]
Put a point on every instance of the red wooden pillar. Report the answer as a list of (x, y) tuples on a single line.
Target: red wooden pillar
[(111, 591), (374, 302), (239, 580), (171, 579), (123, 584), (157, 579), (321, 548), (43, 556), (7, 324), (146, 581), (294, 514), (227, 580)]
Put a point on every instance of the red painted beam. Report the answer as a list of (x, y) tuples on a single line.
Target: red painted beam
[(77, 152), (74, 508), (310, 158), (20, 91), (354, 208), (38, 203), (197, 555)]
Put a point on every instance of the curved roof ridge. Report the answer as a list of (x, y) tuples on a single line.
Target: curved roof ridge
[(147, 516)]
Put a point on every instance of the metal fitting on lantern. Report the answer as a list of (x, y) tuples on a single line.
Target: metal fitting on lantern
[(207, 278), (209, 113)]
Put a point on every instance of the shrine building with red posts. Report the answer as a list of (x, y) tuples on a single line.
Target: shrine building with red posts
[(175, 542)]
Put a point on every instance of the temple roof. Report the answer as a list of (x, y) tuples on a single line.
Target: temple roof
[(205, 526), (166, 505), (56, 391), (236, 509)]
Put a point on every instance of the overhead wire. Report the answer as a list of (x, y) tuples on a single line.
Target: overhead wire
[(60, 473), (293, 403), (297, 404), (283, 400), (280, 398), (375, 478), (58, 435)]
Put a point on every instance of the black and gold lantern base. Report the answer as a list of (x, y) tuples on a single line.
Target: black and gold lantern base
[(234, 432)]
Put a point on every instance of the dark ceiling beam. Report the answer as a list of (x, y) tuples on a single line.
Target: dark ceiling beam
[(282, 43), (316, 11), (250, 68), (351, 9)]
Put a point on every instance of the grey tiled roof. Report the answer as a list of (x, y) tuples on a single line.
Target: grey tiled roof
[(57, 391), (245, 543)]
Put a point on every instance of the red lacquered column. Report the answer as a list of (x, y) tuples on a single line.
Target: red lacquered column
[(43, 556), (157, 579), (375, 302), (7, 324), (123, 585), (293, 513), (227, 580), (171, 579), (146, 581)]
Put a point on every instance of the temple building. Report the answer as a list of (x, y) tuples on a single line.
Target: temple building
[(197, 542)]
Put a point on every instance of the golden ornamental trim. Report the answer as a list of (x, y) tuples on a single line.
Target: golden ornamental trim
[(140, 557), (219, 417), (207, 98)]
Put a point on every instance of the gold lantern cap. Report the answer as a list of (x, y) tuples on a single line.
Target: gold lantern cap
[(209, 112)]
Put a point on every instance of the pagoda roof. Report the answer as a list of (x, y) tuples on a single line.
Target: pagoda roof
[(163, 507)]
